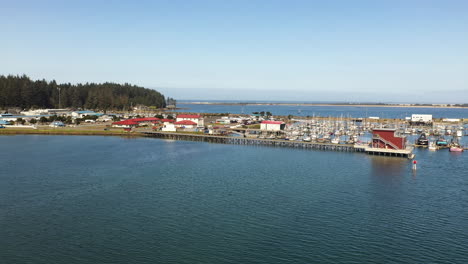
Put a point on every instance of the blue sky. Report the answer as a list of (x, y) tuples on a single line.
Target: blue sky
[(395, 51)]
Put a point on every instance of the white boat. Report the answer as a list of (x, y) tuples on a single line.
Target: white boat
[(335, 140), (432, 146)]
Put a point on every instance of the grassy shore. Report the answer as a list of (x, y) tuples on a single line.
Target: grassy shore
[(67, 131)]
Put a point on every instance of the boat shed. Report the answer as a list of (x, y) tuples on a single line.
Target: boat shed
[(272, 125), (386, 138)]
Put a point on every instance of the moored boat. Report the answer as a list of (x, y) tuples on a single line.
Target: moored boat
[(441, 142), (456, 149), (422, 140)]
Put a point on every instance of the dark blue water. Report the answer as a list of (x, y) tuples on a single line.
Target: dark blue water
[(73, 199), (325, 111)]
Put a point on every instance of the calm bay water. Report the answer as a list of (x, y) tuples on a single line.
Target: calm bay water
[(74, 199), (332, 111)]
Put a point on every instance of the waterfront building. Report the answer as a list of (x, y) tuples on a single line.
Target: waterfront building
[(418, 118), (125, 124), (386, 138), (185, 124), (272, 125), (168, 125), (198, 119)]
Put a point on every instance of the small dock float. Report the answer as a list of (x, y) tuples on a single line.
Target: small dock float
[(405, 153)]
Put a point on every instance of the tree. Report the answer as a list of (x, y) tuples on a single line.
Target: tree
[(268, 114), (20, 120), (43, 119), (33, 121), (68, 120), (21, 91), (262, 113)]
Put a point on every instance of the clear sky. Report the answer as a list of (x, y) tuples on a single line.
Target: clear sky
[(349, 50)]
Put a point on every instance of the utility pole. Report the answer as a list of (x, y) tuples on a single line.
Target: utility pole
[(60, 105)]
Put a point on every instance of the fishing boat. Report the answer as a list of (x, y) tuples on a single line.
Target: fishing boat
[(441, 142), (456, 148), (422, 140)]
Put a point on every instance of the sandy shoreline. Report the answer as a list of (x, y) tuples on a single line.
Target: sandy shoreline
[(312, 104)]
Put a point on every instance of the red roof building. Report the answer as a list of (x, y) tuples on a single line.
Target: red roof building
[(186, 123), (128, 123), (145, 119), (189, 116), (272, 125), (273, 122), (386, 138)]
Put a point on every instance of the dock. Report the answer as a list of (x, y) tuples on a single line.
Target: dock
[(280, 143), (405, 153)]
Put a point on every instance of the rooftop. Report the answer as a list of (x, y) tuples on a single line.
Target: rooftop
[(273, 122), (186, 122), (188, 116)]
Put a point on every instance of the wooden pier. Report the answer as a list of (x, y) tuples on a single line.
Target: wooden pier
[(254, 141), (407, 153)]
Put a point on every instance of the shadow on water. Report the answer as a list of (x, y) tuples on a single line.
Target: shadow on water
[(388, 169)]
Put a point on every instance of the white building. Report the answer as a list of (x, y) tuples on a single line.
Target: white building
[(194, 118), (169, 127), (185, 124), (272, 125), (421, 118), (81, 114), (451, 120), (59, 112)]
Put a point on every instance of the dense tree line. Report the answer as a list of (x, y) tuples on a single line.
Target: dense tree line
[(21, 91)]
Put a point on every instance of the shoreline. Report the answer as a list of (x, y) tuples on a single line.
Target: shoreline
[(12, 131), (320, 104)]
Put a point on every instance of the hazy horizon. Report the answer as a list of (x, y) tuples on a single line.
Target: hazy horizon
[(379, 51)]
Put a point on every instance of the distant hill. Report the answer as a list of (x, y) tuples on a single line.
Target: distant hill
[(21, 91)]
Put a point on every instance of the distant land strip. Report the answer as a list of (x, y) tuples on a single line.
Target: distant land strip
[(333, 104)]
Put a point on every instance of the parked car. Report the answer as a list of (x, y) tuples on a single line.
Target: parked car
[(1, 126)]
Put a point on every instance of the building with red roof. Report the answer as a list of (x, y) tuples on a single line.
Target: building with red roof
[(386, 138), (185, 123), (125, 123), (198, 119), (146, 120), (272, 125)]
